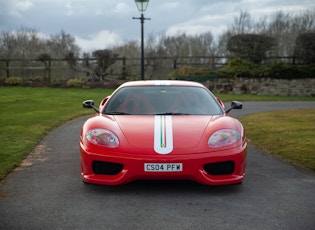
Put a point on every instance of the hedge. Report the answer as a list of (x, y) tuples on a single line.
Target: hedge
[(242, 68)]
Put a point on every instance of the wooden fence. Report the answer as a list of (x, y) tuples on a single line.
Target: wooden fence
[(123, 68)]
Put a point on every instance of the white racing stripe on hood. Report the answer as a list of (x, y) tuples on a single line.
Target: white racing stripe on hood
[(163, 134)]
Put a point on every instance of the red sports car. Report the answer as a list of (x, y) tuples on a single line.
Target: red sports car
[(162, 130)]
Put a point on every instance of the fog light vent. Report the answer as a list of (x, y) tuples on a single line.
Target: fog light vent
[(106, 168), (220, 168)]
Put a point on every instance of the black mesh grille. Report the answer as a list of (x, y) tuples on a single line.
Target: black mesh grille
[(220, 168), (106, 168)]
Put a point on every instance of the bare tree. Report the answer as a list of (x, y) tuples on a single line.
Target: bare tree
[(61, 44), (279, 28), (23, 43), (45, 58), (242, 24), (201, 45), (105, 58), (7, 45), (97, 64), (286, 27), (130, 49), (186, 45)]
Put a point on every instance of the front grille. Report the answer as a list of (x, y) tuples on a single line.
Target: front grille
[(220, 168), (106, 168)]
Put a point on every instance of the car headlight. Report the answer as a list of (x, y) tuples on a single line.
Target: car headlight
[(102, 137), (223, 137)]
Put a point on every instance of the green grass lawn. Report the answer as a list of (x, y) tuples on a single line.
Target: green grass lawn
[(249, 97), (27, 114), (289, 134)]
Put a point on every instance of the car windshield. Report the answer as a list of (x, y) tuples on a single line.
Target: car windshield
[(162, 100)]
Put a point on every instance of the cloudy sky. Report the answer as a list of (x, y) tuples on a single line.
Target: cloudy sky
[(100, 24)]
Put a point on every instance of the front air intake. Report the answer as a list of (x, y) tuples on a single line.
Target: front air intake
[(220, 168), (106, 168)]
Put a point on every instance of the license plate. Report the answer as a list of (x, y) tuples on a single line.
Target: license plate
[(159, 167)]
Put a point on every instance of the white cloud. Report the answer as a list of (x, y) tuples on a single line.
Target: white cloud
[(170, 5), (75, 7), (188, 29), (69, 9), (102, 40), (205, 23), (23, 5), (98, 12), (15, 7), (121, 9)]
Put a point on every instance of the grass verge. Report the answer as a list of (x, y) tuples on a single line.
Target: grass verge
[(288, 134), (27, 114), (249, 97)]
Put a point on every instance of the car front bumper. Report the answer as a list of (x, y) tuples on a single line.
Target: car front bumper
[(212, 168)]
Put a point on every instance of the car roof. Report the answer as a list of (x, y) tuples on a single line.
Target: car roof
[(161, 82)]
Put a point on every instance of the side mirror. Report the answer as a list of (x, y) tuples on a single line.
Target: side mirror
[(235, 105), (89, 104)]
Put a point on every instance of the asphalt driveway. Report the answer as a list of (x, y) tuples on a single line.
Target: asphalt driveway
[(46, 192)]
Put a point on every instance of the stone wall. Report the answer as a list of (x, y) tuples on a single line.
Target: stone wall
[(263, 86)]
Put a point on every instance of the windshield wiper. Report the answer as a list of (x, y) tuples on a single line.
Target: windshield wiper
[(116, 113)]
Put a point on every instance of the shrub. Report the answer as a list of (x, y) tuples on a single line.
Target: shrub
[(186, 71), (14, 81), (280, 70), (238, 67), (55, 83), (305, 48), (306, 71), (75, 83), (189, 73), (252, 47), (288, 71), (44, 57)]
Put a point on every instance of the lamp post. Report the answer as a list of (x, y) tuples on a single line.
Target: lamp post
[(142, 6)]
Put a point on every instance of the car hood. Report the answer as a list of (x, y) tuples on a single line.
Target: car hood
[(164, 133)]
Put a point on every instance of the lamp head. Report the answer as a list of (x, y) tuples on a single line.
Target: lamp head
[(142, 5)]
